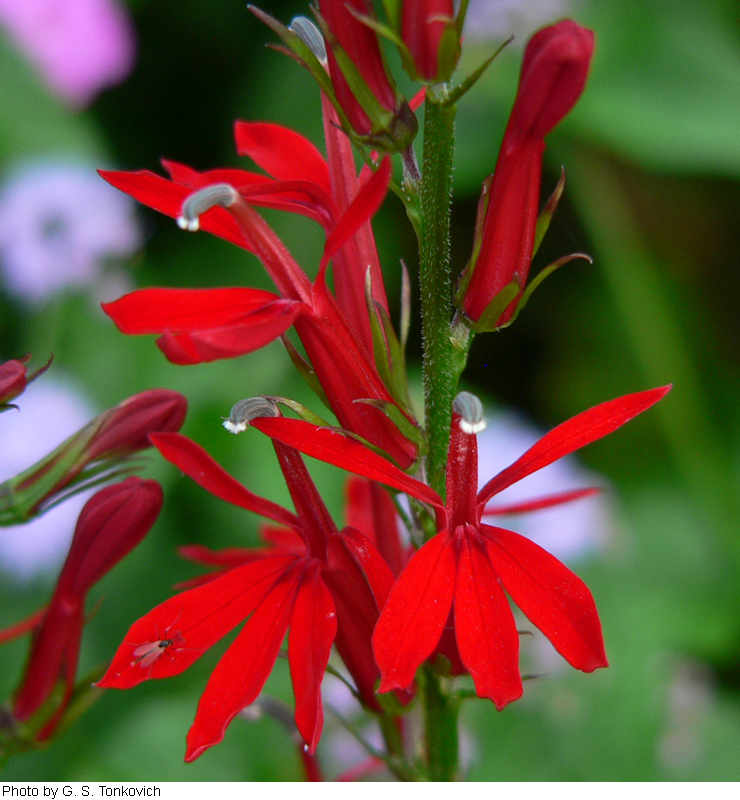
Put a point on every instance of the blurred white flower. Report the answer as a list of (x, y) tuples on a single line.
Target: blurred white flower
[(59, 224), (568, 531), (50, 411), (78, 46), (496, 20)]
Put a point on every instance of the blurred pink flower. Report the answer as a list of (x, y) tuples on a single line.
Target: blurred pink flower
[(79, 46), (59, 224)]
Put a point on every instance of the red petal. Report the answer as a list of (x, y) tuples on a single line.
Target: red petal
[(245, 666), (193, 460), (571, 435), (332, 446), (252, 333), (283, 153), (160, 310), (377, 572), (553, 598), (167, 197), (412, 620), (312, 631), (368, 201), (194, 621), (485, 630)]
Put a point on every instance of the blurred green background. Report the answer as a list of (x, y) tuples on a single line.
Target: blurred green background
[(652, 158)]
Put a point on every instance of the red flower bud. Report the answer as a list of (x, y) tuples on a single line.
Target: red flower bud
[(110, 525), (423, 24), (125, 429), (13, 380), (553, 75)]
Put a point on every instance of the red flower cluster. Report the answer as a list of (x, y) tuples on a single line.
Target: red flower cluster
[(386, 605)]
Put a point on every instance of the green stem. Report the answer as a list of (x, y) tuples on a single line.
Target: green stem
[(434, 277), (440, 729)]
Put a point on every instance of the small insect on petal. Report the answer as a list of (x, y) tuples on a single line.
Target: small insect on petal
[(146, 654)]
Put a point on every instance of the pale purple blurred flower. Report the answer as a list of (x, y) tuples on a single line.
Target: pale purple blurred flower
[(496, 20), (50, 411), (59, 224), (569, 531), (79, 46)]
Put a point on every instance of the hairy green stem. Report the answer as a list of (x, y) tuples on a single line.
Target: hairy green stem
[(434, 276)]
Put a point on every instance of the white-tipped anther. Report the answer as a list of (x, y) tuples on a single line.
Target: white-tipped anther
[(220, 194), (310, 35), (470, 409), (245, 411)]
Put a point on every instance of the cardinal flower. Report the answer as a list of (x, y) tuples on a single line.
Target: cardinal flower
[(209, 324), (325, 585), (553, 75), (462, 569)]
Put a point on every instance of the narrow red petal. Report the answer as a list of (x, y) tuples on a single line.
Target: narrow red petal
[(486, 633), (283, 153), (167, 198), (192, 621), (363, 207), (26, 625), (313, 627), (541, 502), (332, 446), (571, 435), (415, 614), (193, 460), (245, 666), (552, 597)]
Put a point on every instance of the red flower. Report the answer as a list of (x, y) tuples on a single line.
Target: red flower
[(553, 75), (463, 567), (325, 585), (110, 525), (208, 324)]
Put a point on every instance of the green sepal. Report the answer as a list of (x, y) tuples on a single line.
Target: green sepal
[(393, 12), (458, 91), (306, 371), (460, 19), (387, 351), (19, 502), (448, 53), (480, 221), (495, 309), (411, 431), (546, 215), (546, 272), (301, 410)]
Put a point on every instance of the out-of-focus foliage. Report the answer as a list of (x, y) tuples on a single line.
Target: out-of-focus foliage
[(652, 158)]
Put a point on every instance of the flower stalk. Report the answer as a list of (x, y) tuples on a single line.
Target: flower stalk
[(434, 277)]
